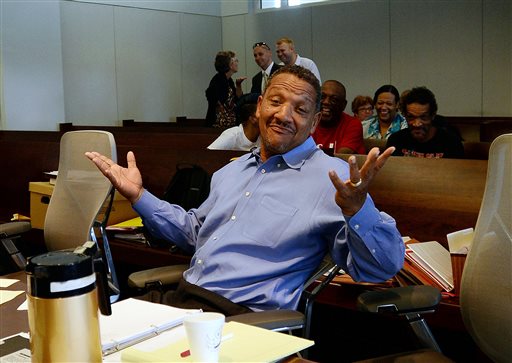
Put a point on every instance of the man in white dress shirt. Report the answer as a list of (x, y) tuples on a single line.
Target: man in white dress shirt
[(245, 136), (285, 50)]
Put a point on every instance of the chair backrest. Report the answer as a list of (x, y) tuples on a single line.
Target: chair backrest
[(486, 288), (80, 190)]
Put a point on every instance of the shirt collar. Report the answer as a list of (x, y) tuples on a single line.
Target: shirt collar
[(294, 158), (269, 68)]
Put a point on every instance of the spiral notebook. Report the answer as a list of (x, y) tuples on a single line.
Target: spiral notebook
[(133, 321)]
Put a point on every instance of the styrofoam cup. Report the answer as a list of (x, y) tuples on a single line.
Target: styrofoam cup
[(204, 333)]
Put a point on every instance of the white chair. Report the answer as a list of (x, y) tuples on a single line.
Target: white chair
[(486, 287), (82, 198)]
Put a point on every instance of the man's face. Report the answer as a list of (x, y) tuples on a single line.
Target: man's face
[(262, 57), (419, 120), (285, 53), (334, 101), (386, 107), (286, 113)]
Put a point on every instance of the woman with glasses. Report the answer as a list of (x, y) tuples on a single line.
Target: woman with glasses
[(362, 107), (222, 93)]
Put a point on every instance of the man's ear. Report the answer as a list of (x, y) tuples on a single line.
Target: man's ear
[(254, 120), (258, 106), (316, 120)]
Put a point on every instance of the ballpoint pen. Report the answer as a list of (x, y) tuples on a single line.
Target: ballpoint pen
[(186, 353)]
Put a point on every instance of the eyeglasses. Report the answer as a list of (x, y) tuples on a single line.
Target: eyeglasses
[(365, 109), (261, 44)]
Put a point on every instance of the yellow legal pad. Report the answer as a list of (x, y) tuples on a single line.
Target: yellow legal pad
[(131, 223), (249, 344)]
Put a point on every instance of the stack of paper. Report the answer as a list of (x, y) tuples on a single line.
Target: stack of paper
[(433, 260), (130, 230), (133, 321)]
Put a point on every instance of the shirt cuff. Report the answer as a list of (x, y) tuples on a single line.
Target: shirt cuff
[(365, 219), (146, 204)]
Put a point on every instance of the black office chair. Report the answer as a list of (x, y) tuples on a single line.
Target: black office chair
[(278, 320), (486, 287), (11, 259)]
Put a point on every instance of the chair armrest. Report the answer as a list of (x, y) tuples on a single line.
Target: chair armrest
[(400, 300), (271, 319), (14, 228), (166, 275)]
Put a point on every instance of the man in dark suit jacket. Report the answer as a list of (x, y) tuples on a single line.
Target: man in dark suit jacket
[(263, 58)]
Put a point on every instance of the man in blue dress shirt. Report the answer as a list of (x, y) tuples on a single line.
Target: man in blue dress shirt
[(272, 214)]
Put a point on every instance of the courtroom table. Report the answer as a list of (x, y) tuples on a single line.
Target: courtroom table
[(15, 321)]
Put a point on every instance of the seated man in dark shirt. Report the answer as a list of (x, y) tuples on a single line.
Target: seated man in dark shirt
[(422, 138)]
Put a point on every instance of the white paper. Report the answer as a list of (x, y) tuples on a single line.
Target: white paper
[(8, 295), (460, 241), (23, 306), (7, 282)]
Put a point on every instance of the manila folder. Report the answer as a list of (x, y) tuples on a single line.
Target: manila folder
[(249, 344)]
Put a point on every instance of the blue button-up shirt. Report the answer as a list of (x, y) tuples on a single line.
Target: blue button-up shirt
[(266, 226)]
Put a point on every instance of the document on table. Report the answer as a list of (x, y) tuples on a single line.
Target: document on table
[(7, 282), (8, 295), (15, 349)]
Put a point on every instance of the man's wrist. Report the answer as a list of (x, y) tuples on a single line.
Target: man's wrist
[(137, 197)]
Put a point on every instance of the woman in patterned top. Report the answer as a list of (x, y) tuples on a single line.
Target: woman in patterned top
[(222, 94), (387, 120)]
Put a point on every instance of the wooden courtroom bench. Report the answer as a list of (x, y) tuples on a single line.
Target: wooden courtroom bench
[(480, 128), (472, 149), (137, 126), (429, 197)]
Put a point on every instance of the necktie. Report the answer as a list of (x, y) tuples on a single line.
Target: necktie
[(264, 81)]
